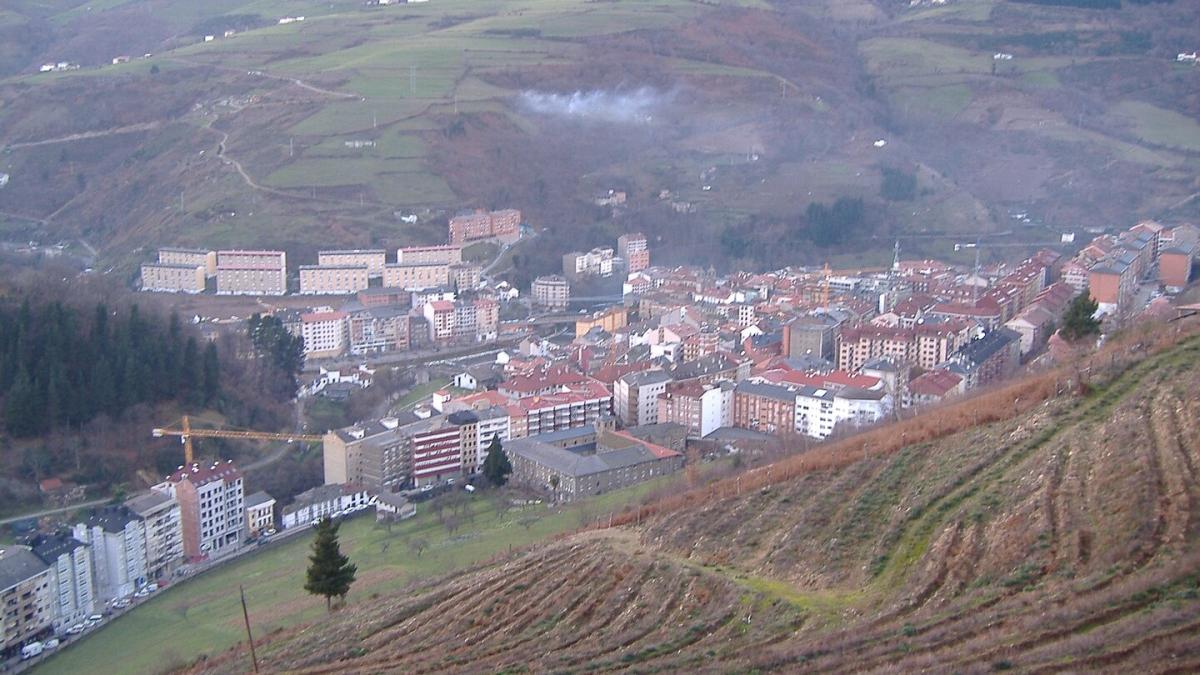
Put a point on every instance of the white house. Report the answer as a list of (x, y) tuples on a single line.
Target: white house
[(324, 501)]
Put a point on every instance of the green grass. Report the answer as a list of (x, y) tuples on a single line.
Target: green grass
[(1160, 127), (419, 393), (203, 616)]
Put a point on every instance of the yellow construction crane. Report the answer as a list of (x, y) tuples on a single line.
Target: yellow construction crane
[(185, 432)]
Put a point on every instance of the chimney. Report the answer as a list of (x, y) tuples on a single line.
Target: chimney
[(390, 422)]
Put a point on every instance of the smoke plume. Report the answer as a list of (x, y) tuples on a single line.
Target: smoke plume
[(633, 107)]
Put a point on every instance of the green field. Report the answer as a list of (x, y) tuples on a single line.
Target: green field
[(1161, 127), (203, 615)]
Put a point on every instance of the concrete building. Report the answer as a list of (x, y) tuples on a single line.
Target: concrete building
[(989, 359), (70, 563), (441, 317), (1175, 266), (614, 461), (416, 275), (27, 596), (923, 344), (465, 276), (373, 454), (372, 259), (597, 262), (444, 254), (333, 279), (635, 396), (251, 272), (609, 320), (192, 257), (260, 513), (1112, 284), (769, 408), (811, 336), (493, 422), (212, 507), (933, 387), (551, 292), (163, 523), (117, 537), (173, 278), (325, 334), (634, 249), (503, 226), (700, 408), (324, 501), (377, 330)]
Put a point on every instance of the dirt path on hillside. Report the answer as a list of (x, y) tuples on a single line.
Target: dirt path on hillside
[(85, 135)]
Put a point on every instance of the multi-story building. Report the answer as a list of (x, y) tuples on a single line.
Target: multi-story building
[(820, 411), (701, 408), (635, 250), (924, 344), (609, 320), (251, 272), (814, 336), (441, 317), (503, 226), (436, 448), (117, 537), (1112, 284), (573, 406), (551, 292), (635, 396), (465, 276), (769, 408), (492, 422), (934, 386), (487, 319), (989, 359), (173, 278), (212, 507), (416, 275), (334, 279), (465, 322), (163, 523), (376, 330), (1175, 266), (596, 262), (325, 334), (384, 296), (192, 257), (324, 501), (373, 454), (372, 259), (70, 563), (26, 596), (260, 513), (614, 461), (430, 255)]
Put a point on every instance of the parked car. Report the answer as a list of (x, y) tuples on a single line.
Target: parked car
[(52, 643), (151, 588), (31, 650), (75, 630)]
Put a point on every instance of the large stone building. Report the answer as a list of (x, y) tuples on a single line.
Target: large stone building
[(70, 563), (372, 259), (212, 507), (551, 292), (814, 336), (416, 275), (615, 460), (444, 254), (173, 277), (503, 226), (251, 272), (163, 523), (635, 250), (334, 279), (26, 595)]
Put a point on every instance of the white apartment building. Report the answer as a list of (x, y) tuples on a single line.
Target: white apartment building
[(117, 537), (820, 411), (164, 532), (635, 397), (372, 259), (324, 501), (325, 334), (212, 507), (70, 563), (251, 272)]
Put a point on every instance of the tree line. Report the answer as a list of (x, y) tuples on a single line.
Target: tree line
[(60, 366)]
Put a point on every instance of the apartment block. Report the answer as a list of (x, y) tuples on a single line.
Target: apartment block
[(260, 513), (551, 292), (251, 272), (635, 250), (924, 345), (814, 336), (324, 333), (173, 277), (192, 257), (596, 262), (26, 596), (1175, 266), (465, 276), (212, 507), (372, 259), (376, 330), (636, 397), (163, 523), (117, 537), (445, 254), (768, 408), (441, 317), (375, 455), (70, 564), (609, 320), (700, 408), (416, 275), (503, 226), (334, 279)]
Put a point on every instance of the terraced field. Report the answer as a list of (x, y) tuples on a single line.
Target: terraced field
[(1060, 538)]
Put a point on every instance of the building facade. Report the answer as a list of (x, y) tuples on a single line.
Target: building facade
[(163, 523), (551, 292), (416, 275), (635, 250), (260, 513), (251, 272), (334, 279), (117, 537), (26, 595), (377, 330), (192, 257), (444, 254), (70, 565), (173, 278), (212, 507), (503, 226), (372, 259), (635, 396), (324, 333)]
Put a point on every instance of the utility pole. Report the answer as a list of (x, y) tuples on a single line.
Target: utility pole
[(249, 635)]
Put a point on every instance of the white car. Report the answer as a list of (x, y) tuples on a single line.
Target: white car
[(75, 630), (152, 588)]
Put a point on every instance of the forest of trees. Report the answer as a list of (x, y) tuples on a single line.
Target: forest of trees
[(60, 367)]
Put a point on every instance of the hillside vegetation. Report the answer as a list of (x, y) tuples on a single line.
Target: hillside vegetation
[(1062, 537)]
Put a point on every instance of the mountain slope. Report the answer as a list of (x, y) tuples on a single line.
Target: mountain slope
[(1063, 538)]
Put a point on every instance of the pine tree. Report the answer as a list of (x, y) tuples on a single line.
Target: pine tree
[(496, 467), (329, 572), (1078, 322)]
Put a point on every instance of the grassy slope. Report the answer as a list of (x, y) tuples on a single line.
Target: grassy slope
[(202, 616)]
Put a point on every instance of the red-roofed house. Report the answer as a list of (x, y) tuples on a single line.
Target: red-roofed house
[(934, 386)]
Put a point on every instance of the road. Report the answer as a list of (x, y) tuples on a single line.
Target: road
[(405, 358), (51, 512)]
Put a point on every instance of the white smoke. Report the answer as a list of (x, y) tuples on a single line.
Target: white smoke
[(634, 107)]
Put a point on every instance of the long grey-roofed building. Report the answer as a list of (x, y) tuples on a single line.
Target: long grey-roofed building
[(616, 461)]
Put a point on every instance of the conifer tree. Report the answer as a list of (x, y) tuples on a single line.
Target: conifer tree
[(329, 572), (496, 467)]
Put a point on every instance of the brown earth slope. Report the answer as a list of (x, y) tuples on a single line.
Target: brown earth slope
[(1061, 539)]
